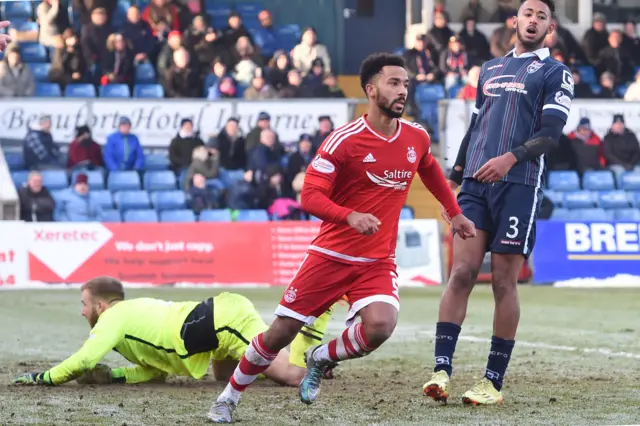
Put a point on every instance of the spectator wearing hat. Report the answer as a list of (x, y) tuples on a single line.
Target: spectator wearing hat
[(586, 148), (253, 138), (122, 150), (299, 160), (596, 39), (165, 57), (182, 146), (621, 147), (454, 63), (75, 205), (36, 202), (325, 127), (230, 146), (309, 50), (84, 151), (39, 150)]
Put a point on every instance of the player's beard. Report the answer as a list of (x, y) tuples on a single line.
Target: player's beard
[(93, 318), (386, 110), (530, 45)]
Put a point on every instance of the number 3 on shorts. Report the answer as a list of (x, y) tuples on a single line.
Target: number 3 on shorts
[(513, 227)]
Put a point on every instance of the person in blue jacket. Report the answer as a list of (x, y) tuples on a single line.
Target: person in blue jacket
[(123, 150), (75, 205)]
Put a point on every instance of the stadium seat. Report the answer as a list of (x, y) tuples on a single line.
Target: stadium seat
[(159, 180), (634, 198), (454, 90), (156, 162), (564, 180), (15, 160), (48, 90), (240, 88), (561, 214), (429, 93), (578, 200), (141, 216), (13, 10), (115, 91), (628, 214), (145, 74), (168, 200), (613, 199), (287, 36), (132, 200), (57, 195), (55, 179), (40, 71), (177, 216), (231, 177), (80, 90), (595, 214), (600, 180), (218, 215), (148, 91), (28, 26), (19, 178), (587, 74), (630, 181), (555, 196), (406, 213), (33, 52), (102, 197), (110, 216), (95, 178), (252, 216), (123, 180)]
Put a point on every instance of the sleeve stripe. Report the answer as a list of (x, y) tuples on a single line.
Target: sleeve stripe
[(331, 140), (336, 143), (475, 111), (556, 107)]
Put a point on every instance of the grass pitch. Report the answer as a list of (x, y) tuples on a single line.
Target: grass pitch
[(576, 362)]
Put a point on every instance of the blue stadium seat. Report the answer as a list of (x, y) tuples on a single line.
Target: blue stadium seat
[(587, 74), (556, 197), (28, 26), (216, 184), (600, 180), (15, 160), (429, 92), (48, 90), (595, 214), (178, 216), (33, 52), (634, 198), (102, 197), (578, 199), (561, 180), (95, 178), (148, 91), (57, 195), (159, 180), (110, 216), (406, 213), (561, 214), (231, 177), (40, 71), (156, 162), (240, 88), (218, 9), (613, 199), (19, 178), (132, 200), (115, 91), (454, 90), (55, 179), (210, 81), (630, 181), (218, 215), (249, 9), (123, 180), (17, 10), (141, 216), (628, 214), (145, 74), (287, 36), (80, 90), (622, 89), (168, 200), (252, 216)]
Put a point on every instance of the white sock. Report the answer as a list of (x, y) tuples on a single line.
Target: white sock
[(322, 354), (230, 394)]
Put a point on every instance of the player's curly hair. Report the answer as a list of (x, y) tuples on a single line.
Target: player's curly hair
[(373, 65), (551, 4)]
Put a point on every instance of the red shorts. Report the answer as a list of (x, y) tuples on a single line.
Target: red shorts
[(321, 282)]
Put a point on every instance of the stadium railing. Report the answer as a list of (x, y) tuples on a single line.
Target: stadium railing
[(9, 202)]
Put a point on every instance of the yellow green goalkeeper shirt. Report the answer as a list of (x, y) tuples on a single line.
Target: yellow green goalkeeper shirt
[(147, 333)]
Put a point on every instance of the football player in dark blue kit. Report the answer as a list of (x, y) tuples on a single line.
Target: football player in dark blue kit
[(522, 105)]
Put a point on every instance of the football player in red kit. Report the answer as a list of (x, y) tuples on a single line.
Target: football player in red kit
[(357, 184)]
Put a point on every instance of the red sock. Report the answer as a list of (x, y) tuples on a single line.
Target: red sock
[(257, 358), (351, 344)]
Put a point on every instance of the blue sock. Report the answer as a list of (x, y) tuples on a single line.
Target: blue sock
[(446, 339), (498, 361)]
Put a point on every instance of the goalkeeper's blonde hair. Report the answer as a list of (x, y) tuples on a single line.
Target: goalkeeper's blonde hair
[(105, 288)]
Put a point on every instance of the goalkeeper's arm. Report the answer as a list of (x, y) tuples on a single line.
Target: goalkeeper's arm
[(102, 375)]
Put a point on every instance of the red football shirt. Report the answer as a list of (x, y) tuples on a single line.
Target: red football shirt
[(364, 171)]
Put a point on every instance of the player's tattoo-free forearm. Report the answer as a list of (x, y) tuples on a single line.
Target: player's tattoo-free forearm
[(458, 168), (542, 142)]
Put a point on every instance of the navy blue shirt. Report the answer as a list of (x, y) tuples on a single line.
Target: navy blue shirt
[(514, 93)]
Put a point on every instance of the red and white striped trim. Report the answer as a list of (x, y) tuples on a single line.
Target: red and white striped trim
[(342, 133), (340, 255)]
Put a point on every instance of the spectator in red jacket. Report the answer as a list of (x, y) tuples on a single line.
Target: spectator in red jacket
[(587, 147), (84, 151), (162, 16)]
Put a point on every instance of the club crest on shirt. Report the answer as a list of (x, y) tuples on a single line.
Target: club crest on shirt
[(534, 66), (411, 155), (290, 295)]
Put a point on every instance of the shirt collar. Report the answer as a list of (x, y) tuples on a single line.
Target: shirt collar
[(542, 54)]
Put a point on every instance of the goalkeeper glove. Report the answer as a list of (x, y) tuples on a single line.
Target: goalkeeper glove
[(34, 378)]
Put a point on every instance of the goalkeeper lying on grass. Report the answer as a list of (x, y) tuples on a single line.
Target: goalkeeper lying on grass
[(164, 338)]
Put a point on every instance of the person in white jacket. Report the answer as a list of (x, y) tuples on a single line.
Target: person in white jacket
[(308, 50), (633, 91)]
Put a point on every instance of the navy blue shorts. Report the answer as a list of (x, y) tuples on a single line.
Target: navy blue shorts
[(506, 211)]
